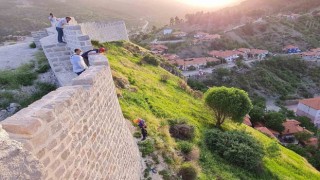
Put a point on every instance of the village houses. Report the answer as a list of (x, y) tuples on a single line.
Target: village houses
[(313, 54), (291, 49), (158, 49), (198, 63), (311, 109)]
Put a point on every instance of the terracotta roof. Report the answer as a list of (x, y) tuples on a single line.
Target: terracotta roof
[(171, 56), (290, 47), (310, 53), (224, 54), (315, 50), (292, 127), (259, 51), (245, 50), (314, 103), (246, 120), (266, 131), (312, 142)]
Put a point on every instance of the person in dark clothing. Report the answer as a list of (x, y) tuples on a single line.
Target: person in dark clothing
[(143, 127), (86, 54)]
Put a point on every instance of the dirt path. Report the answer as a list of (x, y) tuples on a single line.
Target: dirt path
[(13, 56)]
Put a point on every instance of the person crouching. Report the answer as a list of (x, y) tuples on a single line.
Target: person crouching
[(78, 64)]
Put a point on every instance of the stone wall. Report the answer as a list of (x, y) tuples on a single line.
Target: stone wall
[(37, 35), (102, 32), (78, 131)]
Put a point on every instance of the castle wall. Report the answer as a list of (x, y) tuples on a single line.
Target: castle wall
[(78, 131), (101, 32)]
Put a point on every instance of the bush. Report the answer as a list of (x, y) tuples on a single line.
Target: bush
[(150, 59), (274, 121), (185, 147), (137, 134), (164, 78), (182, 131), (188, 172), (146, 147), (43, 68), (236, 147), (33, 45)]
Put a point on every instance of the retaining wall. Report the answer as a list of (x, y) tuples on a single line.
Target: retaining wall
[(78, 131)]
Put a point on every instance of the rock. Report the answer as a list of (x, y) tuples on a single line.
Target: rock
[(3, 115), (182, 131), (13, 108)]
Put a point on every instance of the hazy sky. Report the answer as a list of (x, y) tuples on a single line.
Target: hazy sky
[(209, 3)]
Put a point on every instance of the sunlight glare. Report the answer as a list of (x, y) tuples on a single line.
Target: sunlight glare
[(209, 3)]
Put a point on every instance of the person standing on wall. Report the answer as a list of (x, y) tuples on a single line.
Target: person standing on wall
[(59, 27), (86, 54), (78, 64), (53, 20)]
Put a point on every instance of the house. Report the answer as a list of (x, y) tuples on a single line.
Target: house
[(291, 127), (198, 63), (201, 36), (170, 57), (167, 31), (229, 56), (291, 49), (180, 34), (258, 54), (310, 55), (268, 132), (158, 49), (311, 109)]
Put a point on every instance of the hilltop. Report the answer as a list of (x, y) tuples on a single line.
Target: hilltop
[(144, 92)]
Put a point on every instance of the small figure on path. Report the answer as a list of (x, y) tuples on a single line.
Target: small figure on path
[(141, 123), (59, 27), (86, 54), (78, 64)]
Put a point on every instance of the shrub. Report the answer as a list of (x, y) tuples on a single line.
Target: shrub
[(165, 174), (188, 172), (274, 121), (182, 131), (185, 147), (43, 68), (236, 147), (146, 147), (164, 78), (32, 45), (150, 59), (137, 134)]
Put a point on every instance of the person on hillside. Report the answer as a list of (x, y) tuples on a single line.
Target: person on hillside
[(143, 126), (78, 64), (53, 20), (59, 27), (86, 54)]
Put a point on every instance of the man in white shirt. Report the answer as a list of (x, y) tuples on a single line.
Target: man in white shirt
[(53, 20), (78, 64), (59, 27)]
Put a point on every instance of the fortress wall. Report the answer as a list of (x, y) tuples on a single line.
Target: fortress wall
[(37, 35), (114, 31), (78, 131)]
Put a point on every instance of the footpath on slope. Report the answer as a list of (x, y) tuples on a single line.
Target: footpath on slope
[(13, 56)]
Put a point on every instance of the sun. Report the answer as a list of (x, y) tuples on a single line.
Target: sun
[(209, 3)]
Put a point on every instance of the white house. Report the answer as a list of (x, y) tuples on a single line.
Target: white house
[(311, 109), (167, 31)]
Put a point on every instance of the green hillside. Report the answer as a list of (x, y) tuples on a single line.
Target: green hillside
[(157, 100)]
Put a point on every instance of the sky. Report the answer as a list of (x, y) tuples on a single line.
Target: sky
[(209, 3)]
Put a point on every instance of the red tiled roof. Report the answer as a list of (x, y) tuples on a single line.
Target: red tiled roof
[(244, 50), (292, 127), (171, 56), (259, 51), (314, 103), (315, 50), (290, 47), (265, 131), (246, 120), (312, 142), (224, 54), (309, 53)]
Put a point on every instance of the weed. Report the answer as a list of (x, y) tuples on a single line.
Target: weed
[(146, 147)]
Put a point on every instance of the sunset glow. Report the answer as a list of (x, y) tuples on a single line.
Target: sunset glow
[(209, 3)]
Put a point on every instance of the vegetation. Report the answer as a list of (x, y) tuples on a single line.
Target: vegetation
[(157, 103), (146, 147), (185, 147), (248, 151), (274, 120), (228, 103), (188, 172), (33, 45)]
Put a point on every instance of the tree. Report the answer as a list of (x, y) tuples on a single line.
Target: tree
[(303, 136), (274, 120), (226, 103), (257, 114), (177, 20), (154, 29), (307, 123)]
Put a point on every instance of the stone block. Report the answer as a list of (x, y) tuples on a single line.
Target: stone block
[(83, 38), (21, 125), (40, 138)]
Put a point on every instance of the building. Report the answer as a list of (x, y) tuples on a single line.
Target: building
[(170, 57), (202, 37), (313, 54), (167, 31), (291, 49), (311, 109), (228, 56), (158, 49), (258, 54), (247, 121), (268, 132), (198, 63)]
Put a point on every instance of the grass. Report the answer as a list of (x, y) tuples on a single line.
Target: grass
[(11, 82), (157, 102)]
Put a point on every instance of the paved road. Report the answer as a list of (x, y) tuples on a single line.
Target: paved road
[(13, 56)]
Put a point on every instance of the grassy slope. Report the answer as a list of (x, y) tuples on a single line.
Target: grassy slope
[(156, 102)]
